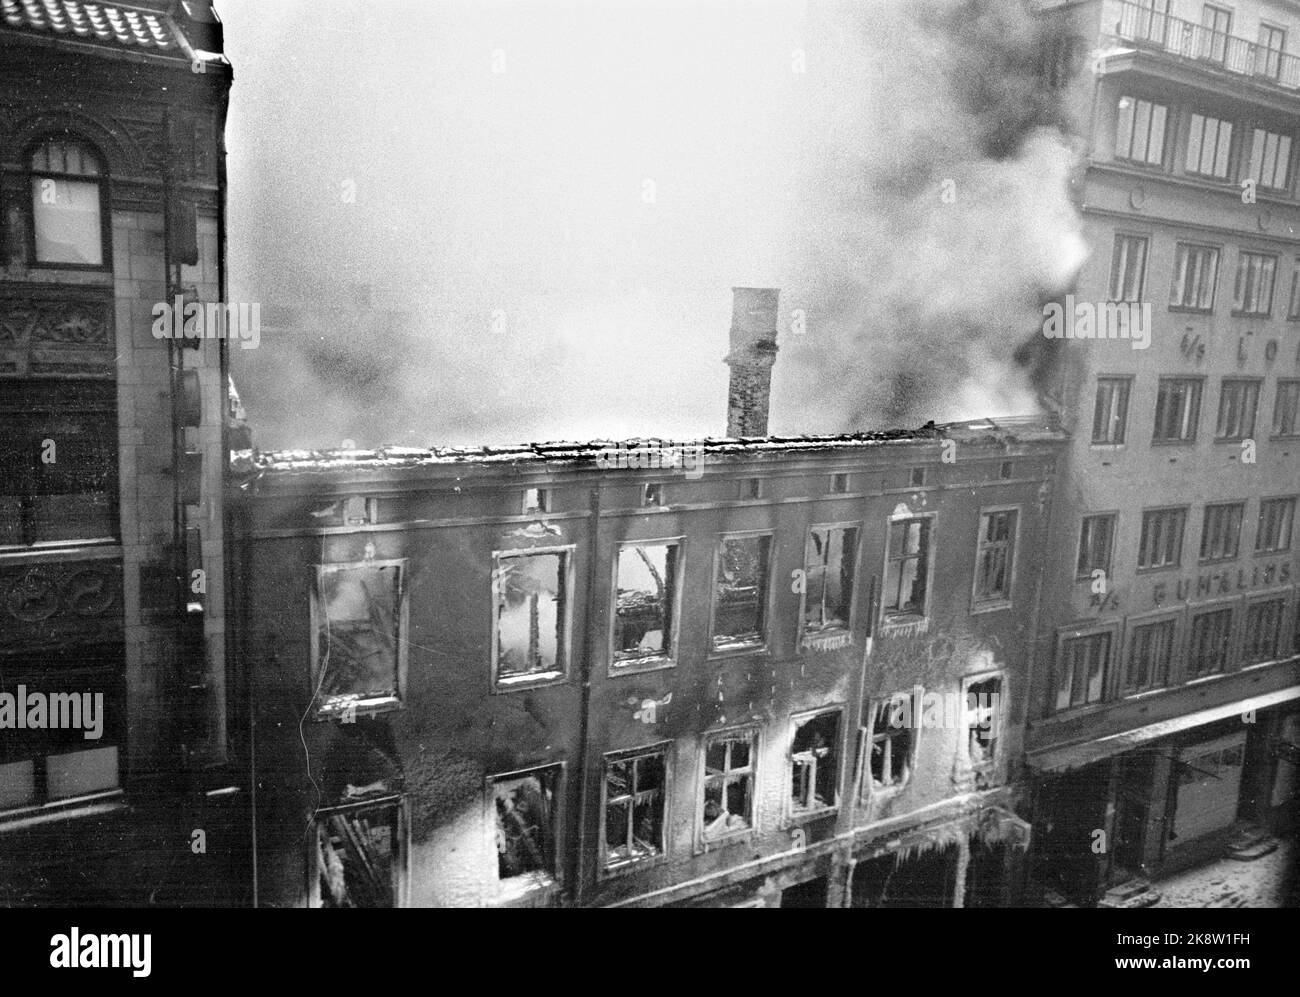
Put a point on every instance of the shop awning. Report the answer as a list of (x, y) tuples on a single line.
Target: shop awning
[(1071, 756)]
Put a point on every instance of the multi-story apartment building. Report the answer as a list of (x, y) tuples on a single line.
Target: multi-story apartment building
[(742, 672), (1166, 710), (113, 719)]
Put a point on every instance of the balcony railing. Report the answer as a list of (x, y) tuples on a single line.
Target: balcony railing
[(1151, 29)]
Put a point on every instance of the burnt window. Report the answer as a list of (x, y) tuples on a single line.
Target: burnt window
[(359, 615), (983, 716), (536, 500), (360, 855), (635, 791), (652, 495), (829, 561), (525, 805), (907, 572), (67, 204), (1081, 672), (1149, 655), (889, 741), (814, 763), (1096, 538), (58, 462), (995, 557), (1263, 631), (917, 479), (740, 592), (646, 602), (1211, 637), (728, 800), (530, 627)]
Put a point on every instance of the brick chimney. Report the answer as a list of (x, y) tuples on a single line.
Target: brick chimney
[(753, 352)]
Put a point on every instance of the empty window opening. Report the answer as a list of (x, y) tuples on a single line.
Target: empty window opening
[(890, 739), (647, 593), (634, 808), (814, 764), (728, 784), (829, 561), (839, 483), (653, 495), (530, 615), (359, 856), (358, 610), (740, 592), (537, 500), (525, 807)]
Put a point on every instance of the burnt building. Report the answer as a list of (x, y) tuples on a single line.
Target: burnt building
[(112, 458), (1166, 708), (759, 672)]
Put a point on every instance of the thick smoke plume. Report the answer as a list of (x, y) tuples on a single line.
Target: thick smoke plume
[(549, 250), (942, 218)]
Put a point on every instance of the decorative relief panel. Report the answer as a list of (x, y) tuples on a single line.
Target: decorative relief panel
[(59, 604), (45, 337)]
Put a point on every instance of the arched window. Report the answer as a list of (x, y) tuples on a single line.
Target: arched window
[(68, 224)]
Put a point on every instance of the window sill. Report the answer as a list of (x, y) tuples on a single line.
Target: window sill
[(828, 639), (631, 866), (1190, 310), (908, 625), (637, 666), (877, 795), (1189, 442), (1254, 315), (989, 607), (736, 650), (1157, 569), (797, 818), (1105, 447), (531, 886), (533, 681), (737, 837), (357, 708), (63, 810)]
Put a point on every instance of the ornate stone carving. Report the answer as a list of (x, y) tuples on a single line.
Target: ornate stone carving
[(58, 337), (59, 604)]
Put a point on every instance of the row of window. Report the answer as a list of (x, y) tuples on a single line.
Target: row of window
[(1195, 282), (1143, 128), (359, 609), (1178, 409), (357, 845), (1088, 670), (1161, 543)]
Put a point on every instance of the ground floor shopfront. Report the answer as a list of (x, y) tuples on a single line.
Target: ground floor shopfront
[(1166, 803)]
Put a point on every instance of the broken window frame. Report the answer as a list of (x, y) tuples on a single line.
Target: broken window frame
[(672, 611), (812, 572), (401, 843), (925, 554), (716, 648), (614, 867), (983, 600), (796, 810), (534, 880), (753, 734), (344, 705), (881, 706), (564, 620), (989, 767)]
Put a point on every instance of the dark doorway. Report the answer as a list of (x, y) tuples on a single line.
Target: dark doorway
[(924, 880), (809, 894)]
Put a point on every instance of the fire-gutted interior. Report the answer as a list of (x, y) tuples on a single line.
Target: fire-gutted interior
[(605, 702)]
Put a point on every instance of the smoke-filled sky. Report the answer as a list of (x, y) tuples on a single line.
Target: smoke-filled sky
[(550, 202)]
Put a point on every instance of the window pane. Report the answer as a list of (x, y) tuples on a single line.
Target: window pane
[(530, 614), (741, 592), (357, 637), (66, 214)]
